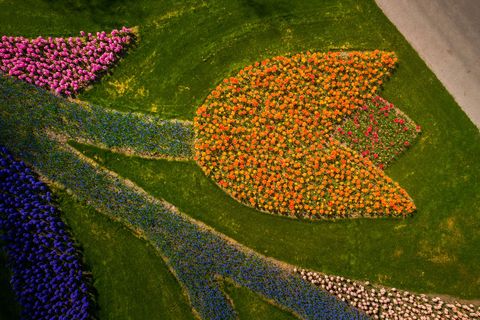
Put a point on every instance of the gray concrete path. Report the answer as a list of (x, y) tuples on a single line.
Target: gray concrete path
[(446, 34)]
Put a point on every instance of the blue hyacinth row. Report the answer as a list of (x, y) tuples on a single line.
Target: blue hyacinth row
[(198, 256), (47, 272), (136, 133), (132, 133)]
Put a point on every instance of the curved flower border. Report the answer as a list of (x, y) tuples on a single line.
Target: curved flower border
[(390, 303), (48, 276)]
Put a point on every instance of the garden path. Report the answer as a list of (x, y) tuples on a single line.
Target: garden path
[(446, 35)]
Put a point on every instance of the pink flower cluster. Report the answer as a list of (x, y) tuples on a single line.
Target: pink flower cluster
[(63, 65)]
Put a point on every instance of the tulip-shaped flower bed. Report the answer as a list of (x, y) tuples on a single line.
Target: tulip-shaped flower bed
[(63, 65), (47, 272), (267, 137)]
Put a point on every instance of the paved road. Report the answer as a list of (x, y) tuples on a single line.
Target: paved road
[(446, 34)]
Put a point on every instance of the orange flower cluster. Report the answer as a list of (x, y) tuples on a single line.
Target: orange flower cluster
[(265, 136)]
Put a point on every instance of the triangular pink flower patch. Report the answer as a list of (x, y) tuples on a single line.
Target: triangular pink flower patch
[(63, 65)]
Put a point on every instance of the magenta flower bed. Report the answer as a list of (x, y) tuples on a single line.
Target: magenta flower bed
[(63, 65)]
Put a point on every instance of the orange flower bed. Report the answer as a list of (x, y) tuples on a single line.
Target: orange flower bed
[(265, 137)]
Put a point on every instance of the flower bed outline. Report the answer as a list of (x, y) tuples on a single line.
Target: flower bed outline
[(268, 142)]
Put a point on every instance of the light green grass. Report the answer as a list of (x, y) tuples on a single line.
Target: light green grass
[(187, 47)]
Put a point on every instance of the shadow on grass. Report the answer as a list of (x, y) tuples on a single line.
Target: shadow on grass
[(9, 308)]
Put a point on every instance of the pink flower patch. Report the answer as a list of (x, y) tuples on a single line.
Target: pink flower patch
[(63, 65)]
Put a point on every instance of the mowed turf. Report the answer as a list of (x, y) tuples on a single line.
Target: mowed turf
[(186, 48), (249, 305)]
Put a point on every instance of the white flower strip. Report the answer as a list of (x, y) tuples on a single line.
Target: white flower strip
[(389, 303)]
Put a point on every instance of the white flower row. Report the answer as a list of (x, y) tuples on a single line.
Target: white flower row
[(390, 303)]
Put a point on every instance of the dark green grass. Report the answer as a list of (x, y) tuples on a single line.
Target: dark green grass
[(131, 280), (249, 305), (9, 309), (188, 47)]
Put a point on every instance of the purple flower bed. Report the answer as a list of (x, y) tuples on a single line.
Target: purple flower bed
[(64, 66), (47, 273)]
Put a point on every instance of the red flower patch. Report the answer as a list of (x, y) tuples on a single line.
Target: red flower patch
[(378, 131)]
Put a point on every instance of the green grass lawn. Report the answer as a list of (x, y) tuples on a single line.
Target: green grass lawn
[(249, 305), (131, 280), (187, 47)]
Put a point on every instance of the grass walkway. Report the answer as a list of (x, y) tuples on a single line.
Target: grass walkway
[(248, 305)]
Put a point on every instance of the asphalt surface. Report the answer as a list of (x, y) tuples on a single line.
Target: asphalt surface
[(446, 34)]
